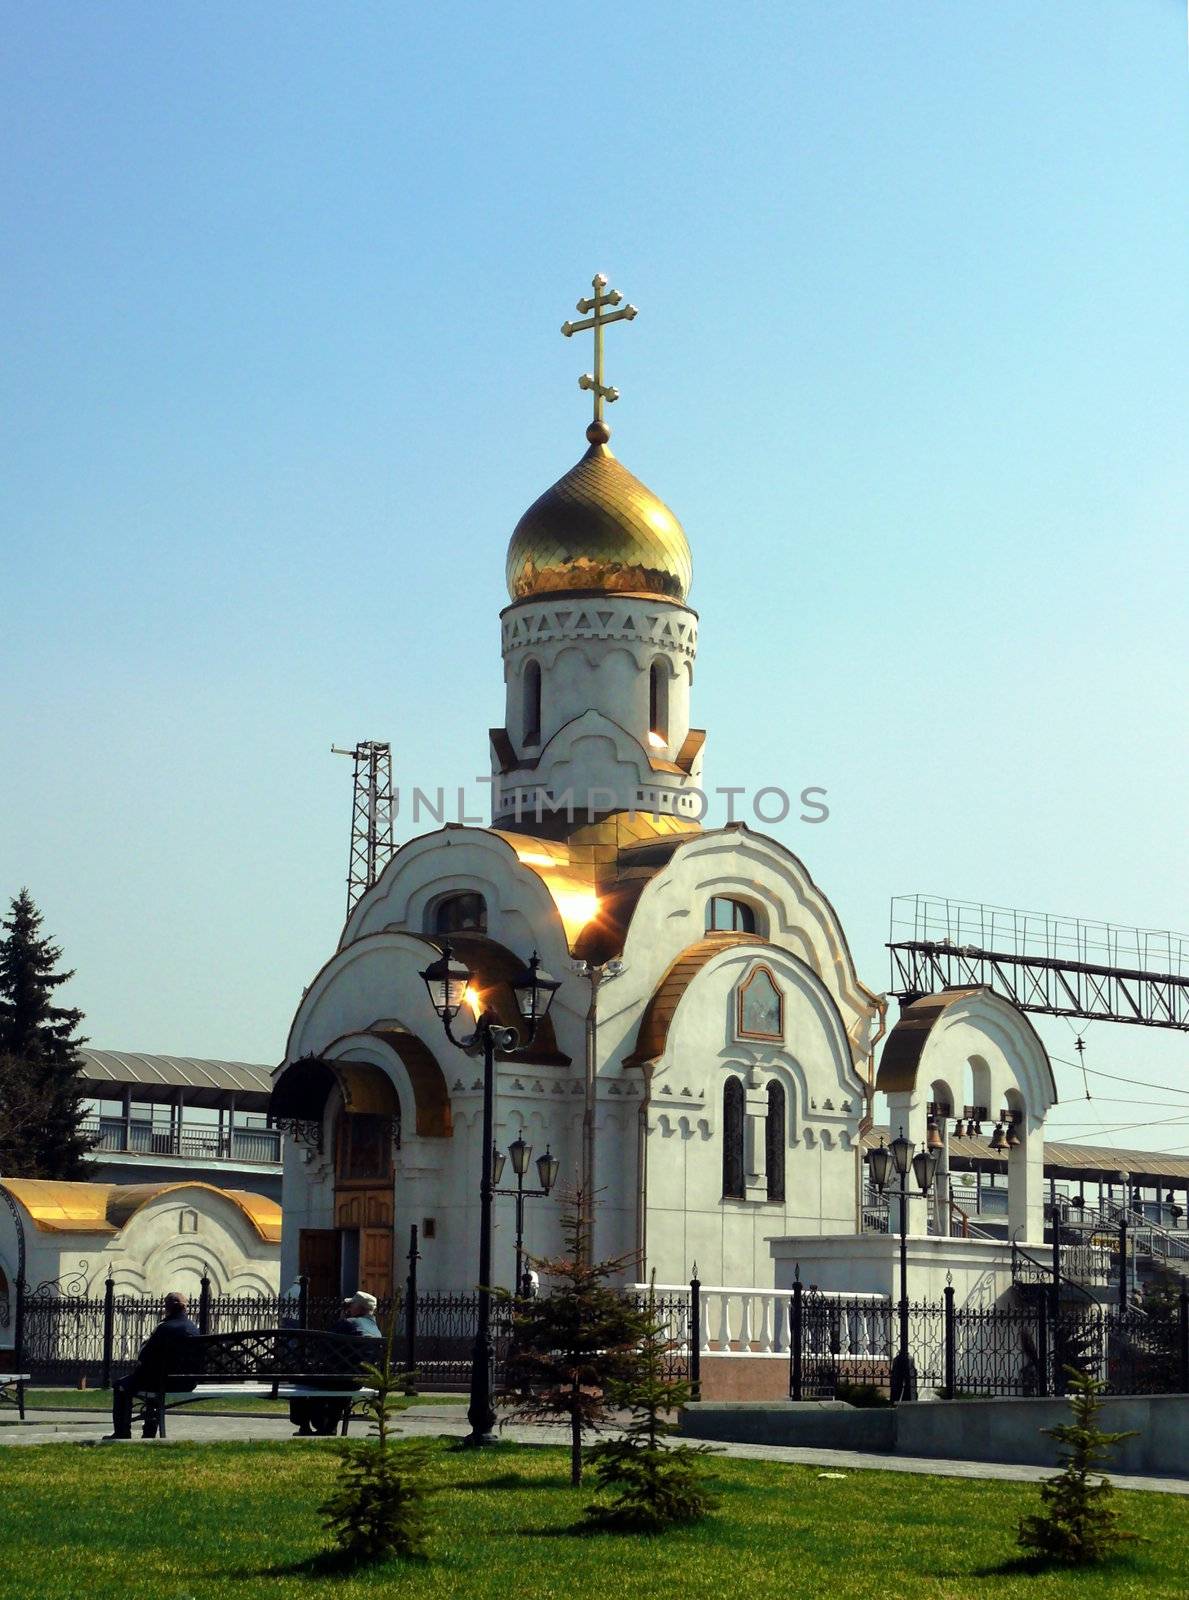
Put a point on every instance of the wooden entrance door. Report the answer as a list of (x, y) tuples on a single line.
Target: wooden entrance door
[(319, 1258)]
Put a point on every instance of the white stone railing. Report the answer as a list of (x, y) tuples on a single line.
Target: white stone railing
[(755, 1322)]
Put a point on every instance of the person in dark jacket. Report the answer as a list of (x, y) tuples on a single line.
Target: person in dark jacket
[(358, 1321), (163, 1352)]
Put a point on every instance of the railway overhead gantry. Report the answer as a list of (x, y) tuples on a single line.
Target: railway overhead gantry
[(1057, 966)]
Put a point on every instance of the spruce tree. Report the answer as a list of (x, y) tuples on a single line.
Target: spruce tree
[(571, 1344), (1077, 1523), (654, 1484), (41, 1095), (378, 1508)]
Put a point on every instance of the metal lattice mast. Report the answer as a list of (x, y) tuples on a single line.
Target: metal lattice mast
[(372, 814)]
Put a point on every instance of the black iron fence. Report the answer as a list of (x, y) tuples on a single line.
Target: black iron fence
[(837, 1344), (1024, 1347), (71, 1337)]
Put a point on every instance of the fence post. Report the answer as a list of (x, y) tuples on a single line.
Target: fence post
[(1184, 1333), (1057, 1341), (109, 1328), (204, 1305), (18, 1327), (303, 1301), (795, 1338), (1042, 1343), (948, 1388), (695, 1336), (411, 1306)]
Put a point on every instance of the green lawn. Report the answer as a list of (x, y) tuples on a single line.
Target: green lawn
[(99, 1400), (239, 1522)]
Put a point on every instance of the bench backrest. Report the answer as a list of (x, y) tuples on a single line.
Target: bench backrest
[(275, 1353)]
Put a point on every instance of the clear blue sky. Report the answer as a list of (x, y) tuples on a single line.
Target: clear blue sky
[(282, 288)]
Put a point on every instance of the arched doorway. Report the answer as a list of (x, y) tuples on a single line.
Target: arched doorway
[(357, 1251), (363, 1199)]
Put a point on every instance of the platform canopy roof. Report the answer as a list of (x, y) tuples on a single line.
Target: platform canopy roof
[(1096, 1163), (206, 1083)]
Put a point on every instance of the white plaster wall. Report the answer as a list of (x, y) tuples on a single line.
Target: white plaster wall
[(869, 1263), (688, 1219), (596, 655), (793, 914)]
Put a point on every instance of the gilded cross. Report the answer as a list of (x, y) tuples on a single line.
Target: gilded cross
[(597, 313)]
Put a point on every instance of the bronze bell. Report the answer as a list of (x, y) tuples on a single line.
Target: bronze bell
[(973, 1129), (999, 1137), (933, 1139), (1013, 1138), (959, 1128)]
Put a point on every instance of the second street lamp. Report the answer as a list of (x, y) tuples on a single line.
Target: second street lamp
[(520, 1154), (448, 983), (880, 1163)]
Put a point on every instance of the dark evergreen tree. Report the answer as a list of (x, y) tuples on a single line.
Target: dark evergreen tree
[(1077, 1522), (654, 1484), (575, 1341), (41, 1095)]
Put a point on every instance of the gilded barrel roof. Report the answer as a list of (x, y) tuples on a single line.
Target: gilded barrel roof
[(599, 528)]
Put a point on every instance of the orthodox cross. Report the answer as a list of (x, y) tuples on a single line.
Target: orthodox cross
[(597, 314)]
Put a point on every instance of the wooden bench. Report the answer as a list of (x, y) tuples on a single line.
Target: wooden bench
[(267, 1363), (17, 1381)]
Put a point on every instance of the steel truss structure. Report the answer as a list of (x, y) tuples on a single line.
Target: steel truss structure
[(1058, 966), (372, 815)]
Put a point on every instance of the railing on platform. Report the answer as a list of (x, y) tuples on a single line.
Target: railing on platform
[(113, 1136)]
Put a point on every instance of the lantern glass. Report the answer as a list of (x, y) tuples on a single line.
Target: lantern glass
[(498, 1162), (447, 981), (922, 1170), (547, 1166), (878, 1162), (902, 1149), (520, 1154), (534, 992)]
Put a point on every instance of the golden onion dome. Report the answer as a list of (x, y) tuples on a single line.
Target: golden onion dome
[(599, 528)]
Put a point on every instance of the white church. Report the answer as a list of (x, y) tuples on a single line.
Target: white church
[(708, 1066)]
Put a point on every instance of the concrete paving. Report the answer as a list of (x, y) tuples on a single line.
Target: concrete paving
[(88, 1428)]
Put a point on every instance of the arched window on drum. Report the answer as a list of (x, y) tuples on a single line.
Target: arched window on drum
[(531, 712)]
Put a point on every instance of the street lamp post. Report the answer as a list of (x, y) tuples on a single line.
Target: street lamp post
[(449, 984), (923, 1166), (520, 1154)]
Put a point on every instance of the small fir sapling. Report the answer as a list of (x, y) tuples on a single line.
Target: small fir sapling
[(378, 1508), (1077, 1522), (654, 1484), (574, 1341)]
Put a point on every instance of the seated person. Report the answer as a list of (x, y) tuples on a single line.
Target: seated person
[(359, 1322), (163, 1352)]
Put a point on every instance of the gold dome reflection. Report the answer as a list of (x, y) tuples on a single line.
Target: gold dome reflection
[(599, 528)]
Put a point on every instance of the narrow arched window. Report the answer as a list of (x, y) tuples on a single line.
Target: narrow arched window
[(732, 1140), (532, 703), (774, 1141), (460, 913), (729, 916), (658, 702)]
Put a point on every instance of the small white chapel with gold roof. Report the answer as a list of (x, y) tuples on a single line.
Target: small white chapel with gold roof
[(707, 1066)]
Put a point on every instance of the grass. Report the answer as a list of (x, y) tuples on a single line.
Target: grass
[(99, 1401), (240, 1522)]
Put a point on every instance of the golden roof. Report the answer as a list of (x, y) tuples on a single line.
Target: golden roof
[(596, 873), (58, 1206), (599, 528)]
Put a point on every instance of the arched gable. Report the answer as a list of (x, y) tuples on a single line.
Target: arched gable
[(938, 1033), (734, 861)]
